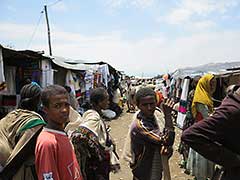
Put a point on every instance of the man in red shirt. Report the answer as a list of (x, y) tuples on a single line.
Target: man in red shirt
[(54, 156)]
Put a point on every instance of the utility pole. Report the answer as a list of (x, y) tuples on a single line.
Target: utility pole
[(48, 29)]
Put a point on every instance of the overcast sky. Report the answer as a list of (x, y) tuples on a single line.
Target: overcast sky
[(140, 37)]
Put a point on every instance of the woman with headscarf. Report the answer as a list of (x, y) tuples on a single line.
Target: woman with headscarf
[(202, 104), (93, 145), (202, 107), (18, 132)]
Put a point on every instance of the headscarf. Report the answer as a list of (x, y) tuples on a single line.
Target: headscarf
[(202, 94), (93, 121), (30, 97)]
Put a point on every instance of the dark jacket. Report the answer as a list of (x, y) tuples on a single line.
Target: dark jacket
[(146, 138), (216, 137)]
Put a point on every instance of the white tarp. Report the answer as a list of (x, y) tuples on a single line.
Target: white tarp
[(62, 62), (213, 68)]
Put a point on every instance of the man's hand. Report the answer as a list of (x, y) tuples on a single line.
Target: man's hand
[(168, 137), (167, 106), (167, 151)]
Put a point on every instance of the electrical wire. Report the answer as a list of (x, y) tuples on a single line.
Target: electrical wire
[(35, 30), (40, 17), (54, 3)]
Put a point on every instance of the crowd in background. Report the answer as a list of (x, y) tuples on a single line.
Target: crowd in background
[(51, 135)]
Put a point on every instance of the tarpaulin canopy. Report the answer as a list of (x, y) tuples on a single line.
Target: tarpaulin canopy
[(213, 68), (67, 64)]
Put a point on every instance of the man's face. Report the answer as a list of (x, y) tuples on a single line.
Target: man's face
[(58, 110), (147, 105)]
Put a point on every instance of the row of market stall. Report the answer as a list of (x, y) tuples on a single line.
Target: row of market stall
[(226, 74), (19, 67)]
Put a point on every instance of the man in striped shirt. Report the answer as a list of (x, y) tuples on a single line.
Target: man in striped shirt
[(152, 135)]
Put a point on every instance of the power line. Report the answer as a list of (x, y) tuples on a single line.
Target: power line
[(54, 3), (40, 17), (33, 34)]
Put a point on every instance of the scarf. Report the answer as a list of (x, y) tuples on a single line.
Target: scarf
[(127, 154), (202, 94), (93, 122), (74, 120)]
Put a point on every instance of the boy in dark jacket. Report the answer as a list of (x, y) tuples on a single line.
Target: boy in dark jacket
[(152, 135)]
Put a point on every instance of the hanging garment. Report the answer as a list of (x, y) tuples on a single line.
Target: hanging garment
[(2, 77), (183, 104)]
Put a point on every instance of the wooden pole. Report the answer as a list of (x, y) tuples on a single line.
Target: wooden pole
[(48, 29)]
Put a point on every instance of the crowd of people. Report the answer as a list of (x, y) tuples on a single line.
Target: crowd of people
[(46, 138)]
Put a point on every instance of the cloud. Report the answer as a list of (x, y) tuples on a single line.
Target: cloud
[(22, 34), (191, 26), (178, 16), (59, 7), (153, 55), (16, 31), (142, 4), (187, 9), (199, 26), (150, 55), (114, 3), (11, 8)]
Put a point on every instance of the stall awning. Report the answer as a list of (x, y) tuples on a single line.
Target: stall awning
[(62, 62)]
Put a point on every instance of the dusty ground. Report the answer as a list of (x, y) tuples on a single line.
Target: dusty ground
[(119, 129)]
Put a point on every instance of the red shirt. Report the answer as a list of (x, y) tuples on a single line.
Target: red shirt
[(55, 157)]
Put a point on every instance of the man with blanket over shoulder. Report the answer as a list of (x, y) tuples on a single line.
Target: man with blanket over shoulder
[(18, 132), (150, 138)]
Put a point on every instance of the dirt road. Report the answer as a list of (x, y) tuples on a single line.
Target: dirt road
[(119, 129)]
